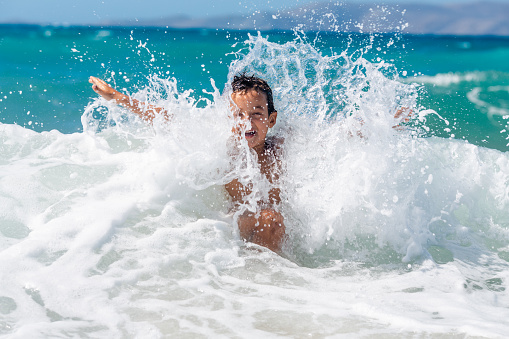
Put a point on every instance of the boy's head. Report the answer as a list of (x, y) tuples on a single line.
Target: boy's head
[(243, 83), (252, 99)]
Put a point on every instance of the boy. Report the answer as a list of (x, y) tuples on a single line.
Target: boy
[(252, 97)]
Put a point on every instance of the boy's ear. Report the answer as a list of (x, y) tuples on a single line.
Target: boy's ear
[(272, 119)]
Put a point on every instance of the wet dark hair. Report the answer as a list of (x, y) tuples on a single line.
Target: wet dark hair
[(243, 83)]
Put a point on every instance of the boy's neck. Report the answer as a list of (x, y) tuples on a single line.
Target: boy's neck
[(261, 150)]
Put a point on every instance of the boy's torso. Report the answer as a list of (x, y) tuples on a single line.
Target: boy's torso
[(270, 166)]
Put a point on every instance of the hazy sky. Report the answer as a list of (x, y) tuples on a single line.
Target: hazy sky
[(96, 11)]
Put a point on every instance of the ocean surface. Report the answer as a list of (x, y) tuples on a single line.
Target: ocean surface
[(110, 228)]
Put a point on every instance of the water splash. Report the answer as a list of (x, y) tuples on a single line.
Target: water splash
[(354, 187), (130, 221)]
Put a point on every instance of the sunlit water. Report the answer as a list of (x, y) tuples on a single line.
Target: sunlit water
[(125, 230)]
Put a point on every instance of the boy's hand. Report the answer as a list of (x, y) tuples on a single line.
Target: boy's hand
[(146, 111), (104, 90), (403, 114)]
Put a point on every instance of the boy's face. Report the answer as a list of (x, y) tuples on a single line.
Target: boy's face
[(252, 106)]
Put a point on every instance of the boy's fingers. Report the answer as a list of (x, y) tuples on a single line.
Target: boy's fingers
[(97, 81), (399, 114)]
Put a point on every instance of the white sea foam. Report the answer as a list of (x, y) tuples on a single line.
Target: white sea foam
[(477, 94), (124, 230), (447, 79)]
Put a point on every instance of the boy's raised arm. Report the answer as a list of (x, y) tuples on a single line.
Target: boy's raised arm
[(146, 111)]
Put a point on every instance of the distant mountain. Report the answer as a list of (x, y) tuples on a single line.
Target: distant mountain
[(476, 18)]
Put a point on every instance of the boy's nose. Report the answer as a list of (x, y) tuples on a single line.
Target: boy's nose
[(246, 119)]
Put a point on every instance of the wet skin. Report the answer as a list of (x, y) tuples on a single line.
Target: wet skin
[(266, 227)]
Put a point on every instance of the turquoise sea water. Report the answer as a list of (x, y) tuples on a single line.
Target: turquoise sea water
[(45, 70), (112, 228)]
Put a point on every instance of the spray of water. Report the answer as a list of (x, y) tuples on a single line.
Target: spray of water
[(357, 183)]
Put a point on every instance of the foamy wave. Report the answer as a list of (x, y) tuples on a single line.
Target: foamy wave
[(123, 230), (447, 79), (477, 95)]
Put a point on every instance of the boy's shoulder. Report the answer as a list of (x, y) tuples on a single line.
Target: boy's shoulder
[(274, 144)]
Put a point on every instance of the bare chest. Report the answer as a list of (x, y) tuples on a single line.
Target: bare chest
[(269, 168)]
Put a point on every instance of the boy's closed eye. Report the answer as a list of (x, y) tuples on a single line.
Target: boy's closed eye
[(257, 115)]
